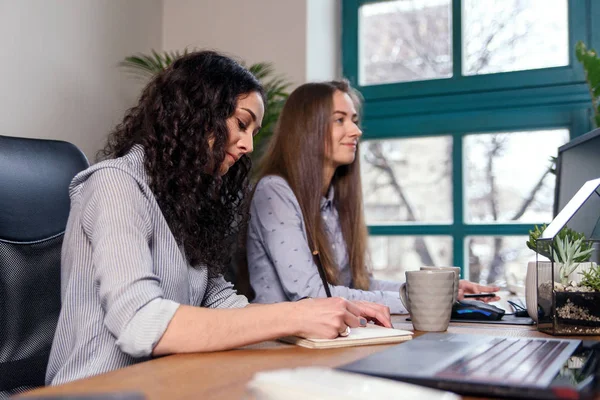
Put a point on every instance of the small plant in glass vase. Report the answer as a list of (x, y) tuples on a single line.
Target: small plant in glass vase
[(568, 284)]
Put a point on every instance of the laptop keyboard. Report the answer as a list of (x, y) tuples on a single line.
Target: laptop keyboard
[(502, 360)]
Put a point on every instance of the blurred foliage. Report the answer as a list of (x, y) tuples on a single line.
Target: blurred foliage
[(145, 66), (591, 278), (591, 65)]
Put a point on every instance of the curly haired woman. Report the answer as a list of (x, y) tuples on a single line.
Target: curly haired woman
[(151, 228)]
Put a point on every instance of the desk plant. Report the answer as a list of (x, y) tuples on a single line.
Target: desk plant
[(591, 278), (568, 286), (568, 249)]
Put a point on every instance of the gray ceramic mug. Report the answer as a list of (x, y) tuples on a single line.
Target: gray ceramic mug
[(456, 278), (428, 297)]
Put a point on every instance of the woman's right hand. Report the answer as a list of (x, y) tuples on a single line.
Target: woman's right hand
[(326, 318)]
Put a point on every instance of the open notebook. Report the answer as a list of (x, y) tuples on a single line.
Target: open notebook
[(362, 336)]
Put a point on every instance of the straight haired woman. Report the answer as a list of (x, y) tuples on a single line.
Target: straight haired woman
[(309, 200)]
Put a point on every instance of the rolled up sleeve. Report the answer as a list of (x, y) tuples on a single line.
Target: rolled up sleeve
[(220, 294), (117, 223)]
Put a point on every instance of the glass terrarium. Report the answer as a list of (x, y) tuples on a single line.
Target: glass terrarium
[(568, 276)]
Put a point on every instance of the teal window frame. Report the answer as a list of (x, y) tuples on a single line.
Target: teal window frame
[(579, 11), (512, 101)]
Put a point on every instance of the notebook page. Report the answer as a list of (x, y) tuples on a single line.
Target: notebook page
[(370, 331)]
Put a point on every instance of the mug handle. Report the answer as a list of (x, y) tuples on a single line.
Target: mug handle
[(404, 296), (455, 299)]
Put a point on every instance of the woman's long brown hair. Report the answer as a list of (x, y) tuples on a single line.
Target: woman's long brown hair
[(297, 153)]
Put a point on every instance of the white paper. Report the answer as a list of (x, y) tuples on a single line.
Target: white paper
[(321, 383)]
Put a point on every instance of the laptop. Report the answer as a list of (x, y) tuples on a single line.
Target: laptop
[(489, 365)]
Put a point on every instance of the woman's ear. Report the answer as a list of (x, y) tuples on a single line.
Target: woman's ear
[(210, 138)]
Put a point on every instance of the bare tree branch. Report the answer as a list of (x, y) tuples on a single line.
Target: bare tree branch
[(380, 162), (418, 35), (530, 197)]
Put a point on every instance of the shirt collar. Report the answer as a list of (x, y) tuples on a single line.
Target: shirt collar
[(327, 200), (135, 157)]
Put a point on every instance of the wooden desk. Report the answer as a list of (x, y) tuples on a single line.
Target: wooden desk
[(223, 375)]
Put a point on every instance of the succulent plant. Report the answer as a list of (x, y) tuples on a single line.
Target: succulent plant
[(569, 248), (570, 254), (591, 278)]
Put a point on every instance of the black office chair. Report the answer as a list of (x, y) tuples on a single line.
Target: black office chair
[(34, 207)]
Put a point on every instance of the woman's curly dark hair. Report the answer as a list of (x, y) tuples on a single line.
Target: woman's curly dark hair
[(178, 112)]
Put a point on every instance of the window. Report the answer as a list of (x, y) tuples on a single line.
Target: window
[(514, 35), (407, 180), (505, 181), (411, 40), (403, 41), (392, 255), (466, 101)]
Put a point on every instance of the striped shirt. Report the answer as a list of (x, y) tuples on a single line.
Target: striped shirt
[(123, 274), (280, 262)]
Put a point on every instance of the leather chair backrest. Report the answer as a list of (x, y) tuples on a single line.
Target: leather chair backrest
[(34, 206)]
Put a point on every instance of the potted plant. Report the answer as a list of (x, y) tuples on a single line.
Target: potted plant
[(568, 285), (569, 249)]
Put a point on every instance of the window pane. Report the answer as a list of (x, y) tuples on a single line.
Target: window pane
[(499, 260), (407, 180), (391, 256), (514, 35), (508, 177), (404, 40)]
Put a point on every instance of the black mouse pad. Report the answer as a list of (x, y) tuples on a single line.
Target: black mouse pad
[(506, 320)]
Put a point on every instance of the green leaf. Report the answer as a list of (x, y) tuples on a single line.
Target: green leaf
[(591, 65), (560, 248), (591, 277)]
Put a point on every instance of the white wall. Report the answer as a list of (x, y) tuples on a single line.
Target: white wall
[(323, 40), (58, 70), (58, 66), (300, 37)]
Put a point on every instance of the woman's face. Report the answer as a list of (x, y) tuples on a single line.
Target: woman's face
[(243, 125), (344, 132)]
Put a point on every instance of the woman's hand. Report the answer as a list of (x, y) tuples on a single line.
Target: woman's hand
[(375, 312), (327, 318), (468, 287)]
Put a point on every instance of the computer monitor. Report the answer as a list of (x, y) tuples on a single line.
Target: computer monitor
[(578, 162)]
